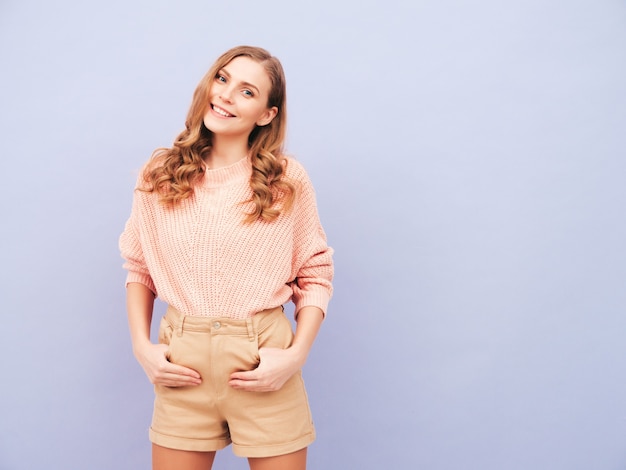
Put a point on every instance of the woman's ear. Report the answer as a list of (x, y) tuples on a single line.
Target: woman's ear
[(267, 116)]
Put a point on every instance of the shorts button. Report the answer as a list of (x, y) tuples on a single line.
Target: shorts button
[(217, 325)]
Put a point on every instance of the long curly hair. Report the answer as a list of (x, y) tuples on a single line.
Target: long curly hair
[(173, 172)]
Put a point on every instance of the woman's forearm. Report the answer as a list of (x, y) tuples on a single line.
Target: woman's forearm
[(139, 304), (308, 322)]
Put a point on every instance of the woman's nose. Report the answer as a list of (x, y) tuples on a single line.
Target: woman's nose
[(226, 94)]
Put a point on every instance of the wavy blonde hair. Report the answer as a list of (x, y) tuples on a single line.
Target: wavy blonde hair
[(173, 172)]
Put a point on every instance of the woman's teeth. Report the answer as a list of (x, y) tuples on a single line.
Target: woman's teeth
[(221, 112)]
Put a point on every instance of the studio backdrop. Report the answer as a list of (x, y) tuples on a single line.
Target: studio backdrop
[(469, 162)]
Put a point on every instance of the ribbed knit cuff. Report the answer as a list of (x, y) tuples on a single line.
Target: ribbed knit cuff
[(313, 299), (144, 279)]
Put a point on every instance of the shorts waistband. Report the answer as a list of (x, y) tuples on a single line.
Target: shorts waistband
[(221, 325)]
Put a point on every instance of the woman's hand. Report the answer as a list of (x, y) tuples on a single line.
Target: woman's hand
[(276, 367), (153, 359)]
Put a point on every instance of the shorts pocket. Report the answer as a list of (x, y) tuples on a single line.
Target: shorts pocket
[(165, 332), (275, 333)]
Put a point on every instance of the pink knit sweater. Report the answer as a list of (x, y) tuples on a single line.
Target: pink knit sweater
[(203, 260)]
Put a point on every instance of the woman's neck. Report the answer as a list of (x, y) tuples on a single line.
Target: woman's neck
[(225, 151)]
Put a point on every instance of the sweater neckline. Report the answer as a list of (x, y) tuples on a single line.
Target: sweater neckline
[(226, 175)]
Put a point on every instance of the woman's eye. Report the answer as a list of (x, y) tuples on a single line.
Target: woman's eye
[(248, 93), (221, 78)]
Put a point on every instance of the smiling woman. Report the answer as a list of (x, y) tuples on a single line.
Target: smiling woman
[(236, 104), (224, 227), (174, 171)]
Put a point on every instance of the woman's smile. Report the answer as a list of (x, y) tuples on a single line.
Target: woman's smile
[(221, 111)]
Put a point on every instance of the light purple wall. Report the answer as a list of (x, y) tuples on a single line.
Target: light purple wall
[(469, 162)]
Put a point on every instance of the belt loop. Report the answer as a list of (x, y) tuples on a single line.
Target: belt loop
[(180, 325), (250, 325)]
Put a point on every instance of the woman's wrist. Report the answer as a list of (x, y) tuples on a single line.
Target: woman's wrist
[(140, 346), (299, 354)]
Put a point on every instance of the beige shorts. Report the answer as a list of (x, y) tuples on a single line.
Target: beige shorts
[(212, 415)]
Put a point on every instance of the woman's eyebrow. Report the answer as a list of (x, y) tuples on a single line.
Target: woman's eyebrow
[(250, 85), (246, 84)]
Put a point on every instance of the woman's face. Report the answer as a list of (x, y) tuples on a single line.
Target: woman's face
[(238, 99)]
